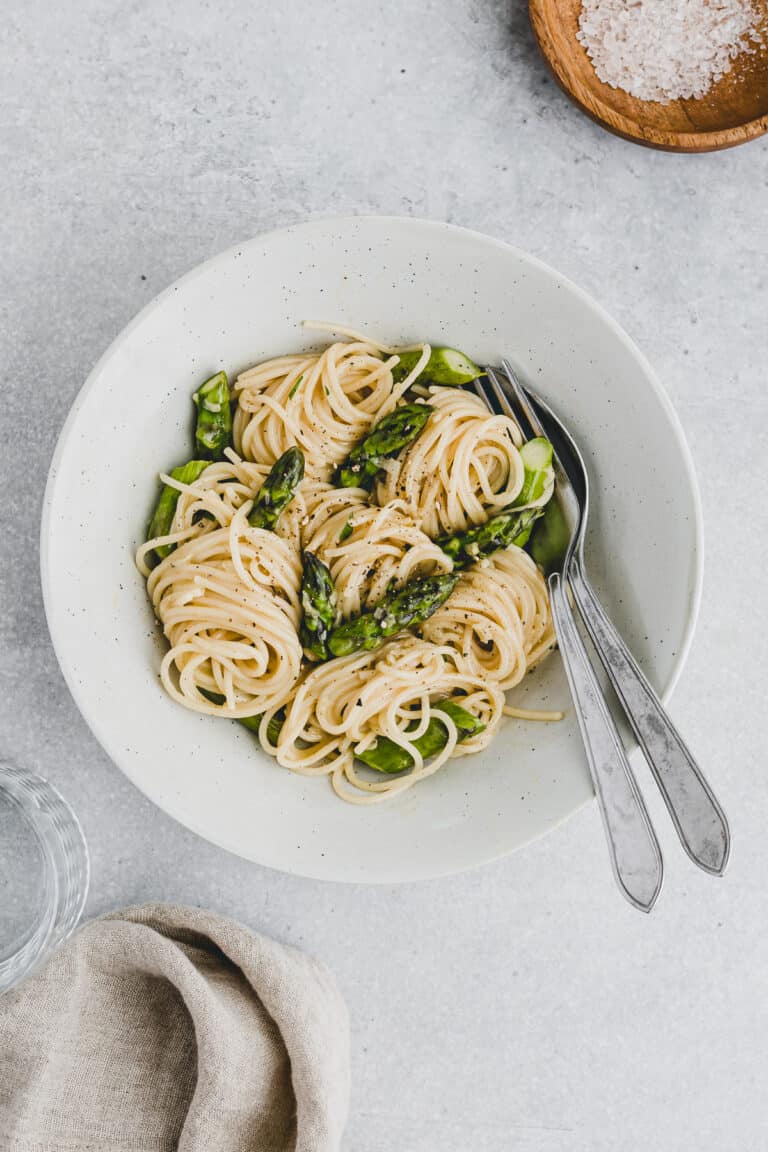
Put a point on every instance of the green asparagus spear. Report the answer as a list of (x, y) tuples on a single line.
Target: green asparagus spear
[(537, 459), (536, 456), (213, 432), (252, 723), (445, 366), (550, 538), (318, 601), (451, 367), (160, 524), (388, 437), (500, 531), (412, 605), (278, 489), (467, 724), (386, 756)]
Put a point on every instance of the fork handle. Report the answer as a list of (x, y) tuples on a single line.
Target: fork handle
[(633, 848), (697, 816)]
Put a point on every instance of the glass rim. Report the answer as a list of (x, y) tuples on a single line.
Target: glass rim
[(65, 863)]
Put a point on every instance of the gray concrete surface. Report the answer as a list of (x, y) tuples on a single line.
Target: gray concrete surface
[(523, 1006)]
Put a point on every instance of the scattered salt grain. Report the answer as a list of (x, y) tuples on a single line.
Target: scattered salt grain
[(667, 49)]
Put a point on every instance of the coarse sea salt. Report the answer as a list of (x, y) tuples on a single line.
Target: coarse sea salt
[(667, 49)]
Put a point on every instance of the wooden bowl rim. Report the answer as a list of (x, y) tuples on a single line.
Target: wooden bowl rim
[(696, 140)]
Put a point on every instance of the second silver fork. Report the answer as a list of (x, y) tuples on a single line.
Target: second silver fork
[(633, 848), (698, 818)]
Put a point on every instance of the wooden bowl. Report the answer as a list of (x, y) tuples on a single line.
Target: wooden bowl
[(733, 111)]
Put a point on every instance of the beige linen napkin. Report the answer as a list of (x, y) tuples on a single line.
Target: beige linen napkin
[(163, 1027)]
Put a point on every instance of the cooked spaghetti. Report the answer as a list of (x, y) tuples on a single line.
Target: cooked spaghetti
[(462, 469), (369, 549), (345, 705), (347, 574), (497, 618), (322, 403)]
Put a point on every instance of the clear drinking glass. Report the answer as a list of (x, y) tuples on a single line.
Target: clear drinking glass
[(44, 871)]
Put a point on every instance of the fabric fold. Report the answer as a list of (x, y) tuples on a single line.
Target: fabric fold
[(164, 1027)]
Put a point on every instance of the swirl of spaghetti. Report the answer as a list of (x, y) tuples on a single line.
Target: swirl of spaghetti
[(464, 467), (212, 500), (369, 550), (342, 706), (324, 403), (497, 618), (228, 601)]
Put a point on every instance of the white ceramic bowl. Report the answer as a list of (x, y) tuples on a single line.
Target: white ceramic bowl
[(399, 280)]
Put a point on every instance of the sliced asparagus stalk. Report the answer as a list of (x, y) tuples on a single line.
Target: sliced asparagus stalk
[(318, 601), (445, 366), (387, 438), (387, 756), (536, 456), (539, 475), (162, 518), (278, 489), (213, 432), (411, 606), (503, 529)]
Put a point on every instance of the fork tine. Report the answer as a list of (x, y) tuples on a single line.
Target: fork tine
[(513, 402), (482, 386), (479, 388), (503, 402), (492, 393), (524, 414), (522, 398)]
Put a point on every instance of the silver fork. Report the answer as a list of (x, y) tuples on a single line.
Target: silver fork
[(633, 848), (698, 818)]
